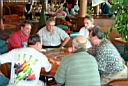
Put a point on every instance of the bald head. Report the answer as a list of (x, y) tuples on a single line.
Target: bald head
[(80, 42)]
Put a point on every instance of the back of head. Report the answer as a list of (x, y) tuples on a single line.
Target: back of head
[(33, 39), (95, 31), (79, 42)]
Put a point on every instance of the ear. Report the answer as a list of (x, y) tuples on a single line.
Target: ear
[(22, 28), (38, 44), (90, 33)]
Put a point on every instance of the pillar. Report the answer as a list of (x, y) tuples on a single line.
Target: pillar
[(83, 8), (1, 15)]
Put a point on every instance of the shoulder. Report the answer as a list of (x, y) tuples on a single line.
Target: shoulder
[(43, 29), (83, 28), (15, 35), (58, 29)]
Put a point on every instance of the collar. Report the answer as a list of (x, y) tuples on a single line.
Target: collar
[(81, 50)]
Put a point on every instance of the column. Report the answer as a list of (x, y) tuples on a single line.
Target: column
[(83, 8), (1, 15)]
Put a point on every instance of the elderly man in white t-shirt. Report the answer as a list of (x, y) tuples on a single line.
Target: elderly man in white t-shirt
[(52, 36), (26, 63)]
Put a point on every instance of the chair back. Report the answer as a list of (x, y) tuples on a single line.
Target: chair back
[(118, 82), (5, 69)]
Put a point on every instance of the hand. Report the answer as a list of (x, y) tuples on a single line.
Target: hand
[(62, 47), (1, 73)]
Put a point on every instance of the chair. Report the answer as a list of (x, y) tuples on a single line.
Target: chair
[(5, 69), (13, 19), (118, 82), (6, 10)]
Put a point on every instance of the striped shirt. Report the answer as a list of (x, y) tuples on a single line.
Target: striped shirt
[(80, 69)]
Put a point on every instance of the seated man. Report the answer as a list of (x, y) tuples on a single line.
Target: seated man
[(52, 36), (110, 63), (26, 63), (80, 68), (19, 39)]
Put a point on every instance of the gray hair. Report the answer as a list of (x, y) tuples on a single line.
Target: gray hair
[(50, 20), (79, 42)]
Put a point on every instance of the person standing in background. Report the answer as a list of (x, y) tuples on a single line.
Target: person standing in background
[(28, 10)]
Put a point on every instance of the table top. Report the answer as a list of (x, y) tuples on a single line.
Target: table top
[(55, 57)]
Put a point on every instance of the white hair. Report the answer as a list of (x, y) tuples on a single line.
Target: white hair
[(79, 42)]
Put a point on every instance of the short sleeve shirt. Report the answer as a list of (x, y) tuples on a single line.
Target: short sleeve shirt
[(54, 38)]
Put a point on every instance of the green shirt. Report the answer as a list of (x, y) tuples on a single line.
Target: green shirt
[(79, 69)]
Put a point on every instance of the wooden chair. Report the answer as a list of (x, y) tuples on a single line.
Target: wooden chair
[(6, 10), (118, 82), (5, 69), (11, 19)]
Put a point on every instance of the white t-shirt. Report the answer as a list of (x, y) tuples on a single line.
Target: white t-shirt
[(26, 64), (97, 2), (84, 32), (54, 38)]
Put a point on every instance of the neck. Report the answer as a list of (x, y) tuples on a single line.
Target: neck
[(34, 47), (81, 50), (99, 42)]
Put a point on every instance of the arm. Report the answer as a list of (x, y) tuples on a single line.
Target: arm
[(64, 37), (30, 9), (15, 41), (45, 63), (40, 34), (1, 73), (66, 40)]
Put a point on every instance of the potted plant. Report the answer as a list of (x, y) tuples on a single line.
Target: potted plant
[(120, 11)]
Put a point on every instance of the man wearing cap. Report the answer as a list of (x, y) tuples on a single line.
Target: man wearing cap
[(80, 68), (52, 36)]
